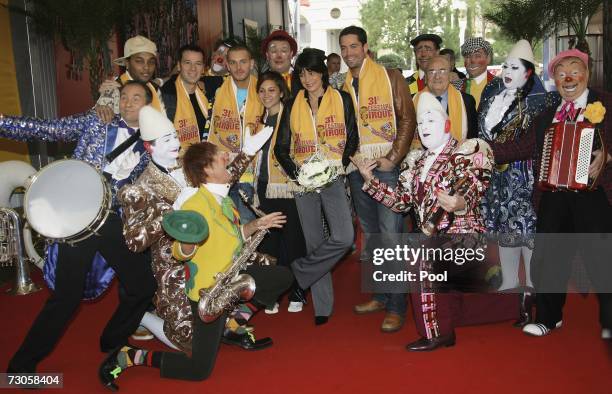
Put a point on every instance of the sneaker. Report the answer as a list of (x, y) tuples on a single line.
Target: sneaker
[(606, 333), (295, 306), (142, 334), (539, 329), (273, 310)]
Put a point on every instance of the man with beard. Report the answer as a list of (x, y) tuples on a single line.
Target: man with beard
[(386, 122), (237, 110)]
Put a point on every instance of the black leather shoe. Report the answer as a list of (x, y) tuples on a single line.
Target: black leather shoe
[(426, 345), (527, 301), (246, 341), (320, 320), (110, 370)]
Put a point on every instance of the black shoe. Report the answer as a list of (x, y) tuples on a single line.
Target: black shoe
[(110, 370), (527, 301), (298, 294), (246, 341), (426, 345), (320, 320)]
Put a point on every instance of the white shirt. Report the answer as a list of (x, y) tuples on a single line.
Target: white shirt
[(479, 78), (579, 103), (498, 108), (421, 74), (429, 160), (218, 190), (122, 135)]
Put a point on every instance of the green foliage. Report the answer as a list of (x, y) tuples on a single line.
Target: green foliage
[(531, 20), (84, 28), (392, 60), (576, 14)]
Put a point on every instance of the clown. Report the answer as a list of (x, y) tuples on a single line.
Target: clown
[(424, 187), (477, 54), (144, 204), (588, 211), (507, 108), (280, 48)]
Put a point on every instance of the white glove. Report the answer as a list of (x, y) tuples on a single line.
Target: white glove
[(253, 143), (129, 160)]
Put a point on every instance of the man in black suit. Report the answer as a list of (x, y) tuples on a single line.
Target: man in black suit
[(460, 106), (588, 211)]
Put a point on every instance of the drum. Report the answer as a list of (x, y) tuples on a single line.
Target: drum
[(67, 201)]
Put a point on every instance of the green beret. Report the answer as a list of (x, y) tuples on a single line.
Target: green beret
[(185, 226)]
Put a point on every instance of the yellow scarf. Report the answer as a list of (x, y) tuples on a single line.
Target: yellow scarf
[(228, 124), (185, 120), (326, 132), (456, 112), (156, 103), (277, 179), (376, 114)]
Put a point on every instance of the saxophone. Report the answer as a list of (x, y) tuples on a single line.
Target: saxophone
[(521, 121), (231, 286)]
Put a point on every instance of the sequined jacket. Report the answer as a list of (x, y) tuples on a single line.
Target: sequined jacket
[(93, 139), (471, 159), (144, 204)]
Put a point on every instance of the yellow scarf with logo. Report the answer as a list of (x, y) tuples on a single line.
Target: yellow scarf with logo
[(456, 112), (374, 109), (156, 103), (228, 124), (277, 179), (185, 120), (325, 132)]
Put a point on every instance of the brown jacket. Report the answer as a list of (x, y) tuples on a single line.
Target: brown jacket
[(405, 117)]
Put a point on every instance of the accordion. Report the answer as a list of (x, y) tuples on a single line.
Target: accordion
[(566, 156)]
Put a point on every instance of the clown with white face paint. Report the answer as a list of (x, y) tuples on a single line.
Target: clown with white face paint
[(509, 105), (424, 188), (144, 203)]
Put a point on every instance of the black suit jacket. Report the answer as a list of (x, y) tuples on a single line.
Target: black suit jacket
[(472, 115)]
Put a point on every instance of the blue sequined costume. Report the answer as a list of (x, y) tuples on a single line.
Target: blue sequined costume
[(94, 141), (507, 207)]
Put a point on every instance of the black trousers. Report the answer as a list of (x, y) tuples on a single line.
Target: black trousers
[(133, 271), (569, 212), (286, 244), (271, 282)]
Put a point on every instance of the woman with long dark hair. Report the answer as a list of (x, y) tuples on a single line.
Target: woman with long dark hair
[(319, 122), (272, 187)]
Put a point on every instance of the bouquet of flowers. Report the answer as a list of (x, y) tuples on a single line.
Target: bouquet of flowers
[(316, 173)]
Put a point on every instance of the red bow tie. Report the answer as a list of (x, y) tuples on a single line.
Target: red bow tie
[(567, 112)]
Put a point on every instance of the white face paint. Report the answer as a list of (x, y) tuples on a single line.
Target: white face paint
[(431, 126), (165, 151), (514, 74)]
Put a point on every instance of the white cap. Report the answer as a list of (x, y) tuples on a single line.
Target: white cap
[(429, 102), (522, 50), (153, 124), (136, 45)]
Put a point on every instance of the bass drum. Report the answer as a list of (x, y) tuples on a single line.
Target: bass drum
[(67, 201)]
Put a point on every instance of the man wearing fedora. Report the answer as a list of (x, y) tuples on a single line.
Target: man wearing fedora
[(425, 47), (140, 62)]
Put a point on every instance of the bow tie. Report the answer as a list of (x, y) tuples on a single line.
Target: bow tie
[(567, 112), (124, 125)]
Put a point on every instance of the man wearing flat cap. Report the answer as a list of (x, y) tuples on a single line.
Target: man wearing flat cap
[(477, 54), (140, 62), (279, 48), (425, 47), (561, 210)]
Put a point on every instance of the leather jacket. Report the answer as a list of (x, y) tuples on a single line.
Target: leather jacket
[(282, 149), (405, 116)]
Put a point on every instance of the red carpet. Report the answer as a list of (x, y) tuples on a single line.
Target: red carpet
[(348, 355)]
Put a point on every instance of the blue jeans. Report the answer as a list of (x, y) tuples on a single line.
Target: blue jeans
[(375, 218), (246, 215)]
